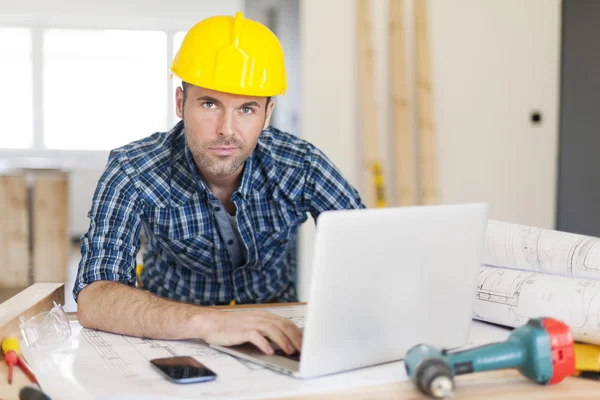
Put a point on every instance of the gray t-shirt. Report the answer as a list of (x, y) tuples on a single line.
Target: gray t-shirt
[(227, 225)]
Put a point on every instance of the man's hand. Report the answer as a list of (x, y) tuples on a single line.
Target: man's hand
[(232, 328), (118, 308)]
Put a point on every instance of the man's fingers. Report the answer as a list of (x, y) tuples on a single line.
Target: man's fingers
[(276, 334), (291, 330), (294, 333), (256, 328), (260, 341)]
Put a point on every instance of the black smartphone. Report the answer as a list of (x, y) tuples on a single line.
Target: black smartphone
[(183, 369)]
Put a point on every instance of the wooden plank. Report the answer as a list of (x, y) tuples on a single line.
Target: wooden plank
[(35, 299), (50, 226), (404, 160), (426, 128), (504, 384), (14, 232), (374, 191), (8, 292), (20, 380)]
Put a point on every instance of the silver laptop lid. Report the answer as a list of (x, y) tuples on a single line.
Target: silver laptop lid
[(386, 279)]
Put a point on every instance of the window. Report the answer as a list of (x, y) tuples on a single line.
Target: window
[(98, 89), (16, 93), (103, 88)]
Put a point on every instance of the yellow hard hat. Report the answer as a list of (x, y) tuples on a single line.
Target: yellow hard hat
[(233, 55)]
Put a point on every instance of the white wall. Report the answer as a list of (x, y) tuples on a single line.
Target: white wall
[(328, 98), (176, 15), (282, 17), (492, 62), (288, 106)]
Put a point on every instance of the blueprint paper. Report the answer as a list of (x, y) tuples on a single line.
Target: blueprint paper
[(100, 365), (530, 272), (541, 250), (511, 297)]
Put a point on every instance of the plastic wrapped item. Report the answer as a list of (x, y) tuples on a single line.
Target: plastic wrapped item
[(47, 328)]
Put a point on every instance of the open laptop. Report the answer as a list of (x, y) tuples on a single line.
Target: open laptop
[(384, 280)]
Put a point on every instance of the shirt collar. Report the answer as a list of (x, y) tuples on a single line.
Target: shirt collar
[(247, 177)]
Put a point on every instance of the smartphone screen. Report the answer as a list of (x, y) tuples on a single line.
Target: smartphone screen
[(183, 369)]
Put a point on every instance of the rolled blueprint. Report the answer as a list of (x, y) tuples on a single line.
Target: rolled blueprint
[(528, 248), (512, 297), (530, 272)]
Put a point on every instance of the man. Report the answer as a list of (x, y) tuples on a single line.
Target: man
[(220, 198)]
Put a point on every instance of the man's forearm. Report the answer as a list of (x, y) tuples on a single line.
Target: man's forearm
[(118, 308)]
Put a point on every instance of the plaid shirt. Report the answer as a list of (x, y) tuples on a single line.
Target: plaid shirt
[(153, 184)]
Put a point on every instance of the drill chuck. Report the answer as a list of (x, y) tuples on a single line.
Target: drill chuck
[(430, 372), (442, 387), (434, 377)]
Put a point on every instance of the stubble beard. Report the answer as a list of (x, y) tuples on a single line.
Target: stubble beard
[(220, 166)]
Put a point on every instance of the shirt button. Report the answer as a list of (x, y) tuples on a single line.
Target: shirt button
[(217, 209), (230, 242)]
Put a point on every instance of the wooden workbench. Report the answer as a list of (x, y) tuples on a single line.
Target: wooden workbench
[(489, 385)]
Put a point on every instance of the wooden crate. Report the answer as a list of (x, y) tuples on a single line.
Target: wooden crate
[(14, 231), (34, 238)]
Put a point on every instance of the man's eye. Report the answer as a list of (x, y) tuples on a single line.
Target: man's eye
[(247, 110), (208, 104)]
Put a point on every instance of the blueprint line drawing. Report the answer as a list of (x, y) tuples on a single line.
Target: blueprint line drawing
[(128, 357), (511, 297), (529, 248), (104, 345), (491, 287), (108, 354), (122, 369)]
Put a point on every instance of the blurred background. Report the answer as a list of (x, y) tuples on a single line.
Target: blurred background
[(502, 92)]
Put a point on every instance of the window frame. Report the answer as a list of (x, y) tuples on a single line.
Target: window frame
[(29, 65), (92, 159)]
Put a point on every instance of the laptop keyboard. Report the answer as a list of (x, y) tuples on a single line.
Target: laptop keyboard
[(295, 356)]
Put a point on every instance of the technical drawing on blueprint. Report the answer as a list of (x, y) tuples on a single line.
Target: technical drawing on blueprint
[(528, 248), (105, 344), (510, 297), (122, 368)]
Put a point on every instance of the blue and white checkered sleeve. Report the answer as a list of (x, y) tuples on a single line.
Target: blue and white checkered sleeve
[(110, 246), (325, 187)]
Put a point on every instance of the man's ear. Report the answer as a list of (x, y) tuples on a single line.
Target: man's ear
[(179, 102), (269, 114)]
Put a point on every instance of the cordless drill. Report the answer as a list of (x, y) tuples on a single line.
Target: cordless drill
[(542, 350)]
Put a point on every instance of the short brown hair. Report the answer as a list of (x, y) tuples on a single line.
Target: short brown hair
[(184, 86)]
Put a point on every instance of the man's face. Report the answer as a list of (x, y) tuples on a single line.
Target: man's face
[(222, 129)]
